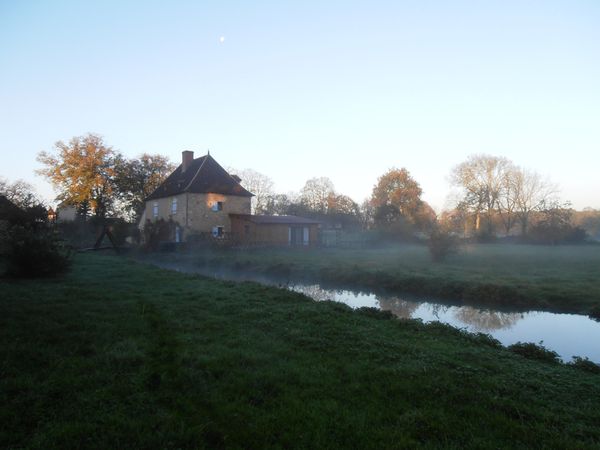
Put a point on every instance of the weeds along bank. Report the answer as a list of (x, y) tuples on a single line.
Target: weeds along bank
[(518, 277), (119, 354)]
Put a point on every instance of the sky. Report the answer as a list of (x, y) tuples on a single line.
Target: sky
[(306, 89)]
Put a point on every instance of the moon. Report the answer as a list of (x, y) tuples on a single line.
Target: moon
[(221, 39)]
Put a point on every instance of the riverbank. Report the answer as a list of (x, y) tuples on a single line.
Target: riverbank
[(506, 277), (120, 354)]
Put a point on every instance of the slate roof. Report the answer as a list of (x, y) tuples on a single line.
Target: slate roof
[(204, 175), (274, 220)]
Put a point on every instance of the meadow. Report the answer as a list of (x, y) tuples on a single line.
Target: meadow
[(119, 354), (507, 277)]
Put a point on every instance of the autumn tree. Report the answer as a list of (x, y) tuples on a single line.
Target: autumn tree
[(396, 199), (343, 210), (315, 194), (136, 178), (82, 171)]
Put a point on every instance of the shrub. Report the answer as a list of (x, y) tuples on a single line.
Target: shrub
[(375, 312), (35, 252), (530, 350), (584, 364), (442, 244)]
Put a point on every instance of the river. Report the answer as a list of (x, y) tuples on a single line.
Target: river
[(567, 334)]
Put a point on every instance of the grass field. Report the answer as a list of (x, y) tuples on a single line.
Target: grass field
[(512, 277), (123, 355)]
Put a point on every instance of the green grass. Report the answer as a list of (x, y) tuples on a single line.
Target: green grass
[(122, 355), (511, 277)]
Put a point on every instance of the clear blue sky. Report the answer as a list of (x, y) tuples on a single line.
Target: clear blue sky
[(342, 89)]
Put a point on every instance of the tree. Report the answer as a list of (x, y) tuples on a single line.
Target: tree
[(532, 194), (20, 193), (277, 205), (28, 207), (508, 198), (367, 214), (340, 204), (555, 226), (82, 171), (260, 185), (136, 178), (343, 210), (482, 179), (315, 194), (396, 198)]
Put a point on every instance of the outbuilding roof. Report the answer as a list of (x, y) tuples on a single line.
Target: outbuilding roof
[(283, 220), (202, 175)]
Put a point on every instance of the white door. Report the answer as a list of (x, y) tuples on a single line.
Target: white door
[(305, 236)]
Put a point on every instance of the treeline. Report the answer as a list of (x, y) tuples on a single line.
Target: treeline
[(494, 198)]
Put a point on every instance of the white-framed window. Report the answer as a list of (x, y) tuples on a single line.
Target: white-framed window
[(218, 231), (174, 205), (217, 206), (155, 209)]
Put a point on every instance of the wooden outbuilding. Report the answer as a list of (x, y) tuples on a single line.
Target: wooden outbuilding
[(275, 230)]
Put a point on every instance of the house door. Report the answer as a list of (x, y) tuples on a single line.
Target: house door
[(298, 236), (295, 236)]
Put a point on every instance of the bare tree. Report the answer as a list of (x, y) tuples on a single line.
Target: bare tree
[(482, 178), (20, 192), (260, 185), (315, 194), (532, 193), (507, 200)]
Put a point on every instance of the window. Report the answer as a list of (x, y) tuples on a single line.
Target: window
[(174, 206), (217, 206), (155, 209), (217, 232)]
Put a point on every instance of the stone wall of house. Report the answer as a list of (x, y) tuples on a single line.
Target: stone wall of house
[(201, 218), (165, 209)]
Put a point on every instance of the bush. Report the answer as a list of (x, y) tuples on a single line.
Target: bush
[(441, 245), (584, 364), (538, 352), (35, 252)]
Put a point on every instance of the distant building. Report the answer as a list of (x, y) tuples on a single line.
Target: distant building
[(66, 212)]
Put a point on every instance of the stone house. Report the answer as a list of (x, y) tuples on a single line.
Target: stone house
[(200, 198)]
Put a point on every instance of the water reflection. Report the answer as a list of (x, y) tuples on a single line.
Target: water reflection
[(486, 320), (400, 308), (474, 318)]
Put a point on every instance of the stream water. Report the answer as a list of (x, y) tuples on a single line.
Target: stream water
[(567, 334)]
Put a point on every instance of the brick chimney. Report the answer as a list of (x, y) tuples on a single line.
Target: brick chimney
[(187, 157)]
